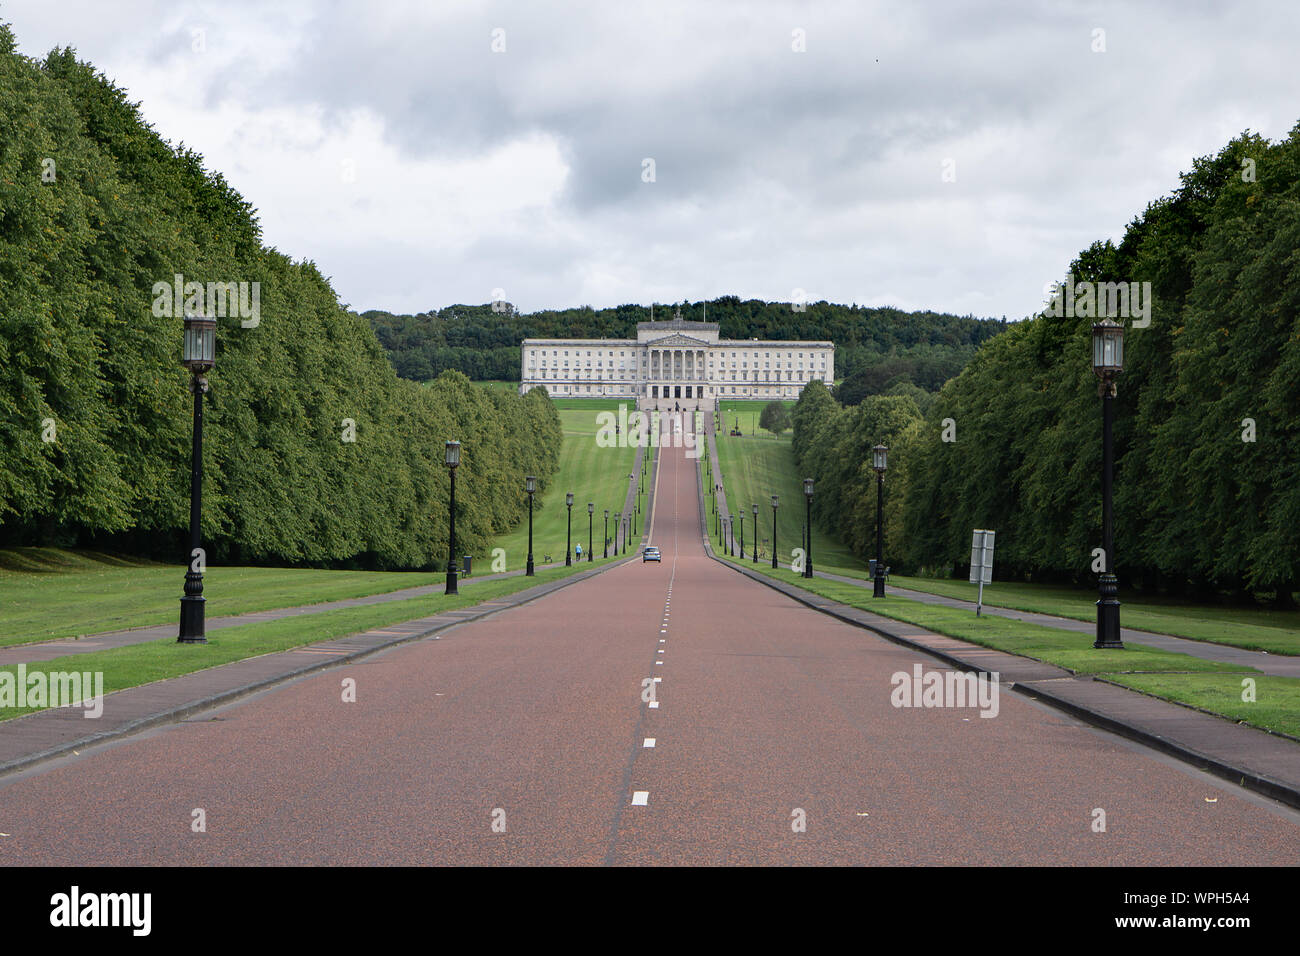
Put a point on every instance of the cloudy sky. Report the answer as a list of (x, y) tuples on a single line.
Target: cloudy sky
[(944, 155)]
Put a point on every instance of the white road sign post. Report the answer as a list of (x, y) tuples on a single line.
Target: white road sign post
[(981, 563)]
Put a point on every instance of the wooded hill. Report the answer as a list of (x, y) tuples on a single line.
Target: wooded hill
[(95, 409), (875, 348), (1207, 418)]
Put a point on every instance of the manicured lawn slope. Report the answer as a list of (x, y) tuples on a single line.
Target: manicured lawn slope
[(592, 473), (49, 593)]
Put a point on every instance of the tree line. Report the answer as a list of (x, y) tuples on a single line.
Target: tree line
[(315, 451), (876, 348), (1207, 415)]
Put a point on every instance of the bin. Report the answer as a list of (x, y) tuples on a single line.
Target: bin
[(467, 560)]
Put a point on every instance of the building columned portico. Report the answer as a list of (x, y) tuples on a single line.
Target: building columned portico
[(675, 364)]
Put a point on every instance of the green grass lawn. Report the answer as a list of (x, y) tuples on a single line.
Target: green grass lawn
[(48, 593), (753, 470), (1276, 705), (748, 413), (1256, 629), (592, 473), (137, 664), (1208, 685)]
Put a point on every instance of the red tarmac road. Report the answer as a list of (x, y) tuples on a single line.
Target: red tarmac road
[(770, 715)]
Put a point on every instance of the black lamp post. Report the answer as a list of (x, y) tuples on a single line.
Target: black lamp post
[(755, 548), (1107, 363), (774, 497), (808, 493), (530, 486), (605, 552), (742, 534), (568, 534), (453, 460), (591, 510), (632, 478), (618, 520), (199, 355), (626, 519), (879, 461)]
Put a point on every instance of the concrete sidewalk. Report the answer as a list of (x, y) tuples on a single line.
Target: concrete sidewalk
[(1266, 763)]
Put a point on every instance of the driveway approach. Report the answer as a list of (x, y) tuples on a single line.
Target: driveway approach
[(670, 713)]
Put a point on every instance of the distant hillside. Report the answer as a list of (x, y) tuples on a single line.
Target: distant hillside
[(876, 348)]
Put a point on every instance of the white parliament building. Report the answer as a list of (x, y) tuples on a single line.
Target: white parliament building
[(675, 364)]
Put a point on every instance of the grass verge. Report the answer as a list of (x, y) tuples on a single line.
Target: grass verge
[(594, 474), (1276, 706), (137, 664), (49, 593), (1252, 629)]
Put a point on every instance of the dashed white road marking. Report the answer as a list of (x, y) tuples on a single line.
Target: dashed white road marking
[(661, 650), (654, 705), (641, 798), (649, 742)]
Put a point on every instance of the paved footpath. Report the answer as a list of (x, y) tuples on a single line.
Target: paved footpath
[(527, 737)]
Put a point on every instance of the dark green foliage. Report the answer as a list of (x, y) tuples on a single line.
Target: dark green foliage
[(1196, 506), (832, 445), (924, 348), (774, 418), (81, 348)]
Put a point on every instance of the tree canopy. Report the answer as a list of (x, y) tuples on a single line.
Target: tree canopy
[(1207, 416), (314, 450)]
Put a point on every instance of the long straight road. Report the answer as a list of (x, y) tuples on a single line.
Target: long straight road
[(526, 738)]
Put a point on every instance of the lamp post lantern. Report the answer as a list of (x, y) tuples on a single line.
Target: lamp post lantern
[(199, 355), (755, 549), (879, 461), (774, 497), (568, 533), (452, 458), (530, 486), (1107, 363), (591, 510), (807, 494)]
